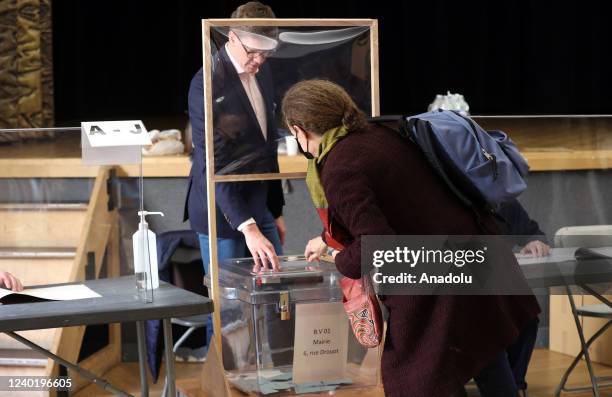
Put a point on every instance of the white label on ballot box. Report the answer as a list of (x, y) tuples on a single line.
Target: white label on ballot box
[(321, 339)]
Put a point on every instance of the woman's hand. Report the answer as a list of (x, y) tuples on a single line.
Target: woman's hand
[(11, 282), (314, 249), (536, 248)]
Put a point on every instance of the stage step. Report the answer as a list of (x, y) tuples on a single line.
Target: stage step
[(41, 225), (37, 253), (38, 266)]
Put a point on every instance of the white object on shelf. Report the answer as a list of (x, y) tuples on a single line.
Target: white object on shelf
[(450, 101), (164, 143)]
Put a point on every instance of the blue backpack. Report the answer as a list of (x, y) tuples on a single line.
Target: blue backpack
[(483, 168)]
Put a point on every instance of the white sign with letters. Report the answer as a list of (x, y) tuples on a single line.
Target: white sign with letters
[(113, 142), (321, 339)]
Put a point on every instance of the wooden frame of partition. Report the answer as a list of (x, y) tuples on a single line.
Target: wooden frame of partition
[(211, 178)]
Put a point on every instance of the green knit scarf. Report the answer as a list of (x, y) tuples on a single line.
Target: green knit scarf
[(313, 180)]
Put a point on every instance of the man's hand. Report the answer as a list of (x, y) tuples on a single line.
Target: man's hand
[(536, 248), (282, 229), (261, 249), (10, 281), (314, 249)]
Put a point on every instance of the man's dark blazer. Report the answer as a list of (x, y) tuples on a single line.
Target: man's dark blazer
[(240, 148)]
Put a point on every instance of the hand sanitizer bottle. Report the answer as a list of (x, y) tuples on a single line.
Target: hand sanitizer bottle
[(145, 254)]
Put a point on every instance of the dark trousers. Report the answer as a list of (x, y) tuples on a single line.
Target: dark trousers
[(516, 359), (519, 353), (496, 379)]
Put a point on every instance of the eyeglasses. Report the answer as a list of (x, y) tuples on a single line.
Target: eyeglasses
[(253, 53)]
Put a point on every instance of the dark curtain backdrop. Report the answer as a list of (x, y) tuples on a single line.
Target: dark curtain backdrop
[(134, 59)]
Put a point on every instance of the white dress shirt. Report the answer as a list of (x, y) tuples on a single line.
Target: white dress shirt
[(251, 87)]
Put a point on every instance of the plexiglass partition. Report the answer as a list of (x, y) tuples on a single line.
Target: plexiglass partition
[(252, 66), (42, 217), (568, 195), (58, 224), (248, 67), (568, 185), (51, 201)]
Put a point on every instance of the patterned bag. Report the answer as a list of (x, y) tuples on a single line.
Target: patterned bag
[(363, 310)]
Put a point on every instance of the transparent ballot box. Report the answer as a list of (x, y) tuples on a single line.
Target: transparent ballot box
[(287, 332)]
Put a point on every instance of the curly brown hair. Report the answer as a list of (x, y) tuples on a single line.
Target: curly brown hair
[(255, 9), (320, 105)]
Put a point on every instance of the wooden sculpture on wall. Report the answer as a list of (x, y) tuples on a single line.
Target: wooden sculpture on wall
[(26, 67)]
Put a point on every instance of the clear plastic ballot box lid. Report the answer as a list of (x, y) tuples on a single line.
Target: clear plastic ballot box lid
[(304, 281)]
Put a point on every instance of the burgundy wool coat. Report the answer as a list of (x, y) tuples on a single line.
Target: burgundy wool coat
[(378, 183)]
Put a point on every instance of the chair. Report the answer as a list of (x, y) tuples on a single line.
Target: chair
[(586, 237)]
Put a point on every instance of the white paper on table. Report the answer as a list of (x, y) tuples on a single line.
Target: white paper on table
[(59, 293), (558, 255)]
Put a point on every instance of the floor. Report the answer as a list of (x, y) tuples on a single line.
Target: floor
[(544, 373)]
